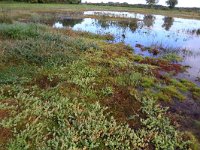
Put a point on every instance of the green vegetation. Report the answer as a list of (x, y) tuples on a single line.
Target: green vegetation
[(25, 8), (61, 89), (64, 89), (20, 31), (50, 1), (172, 57)]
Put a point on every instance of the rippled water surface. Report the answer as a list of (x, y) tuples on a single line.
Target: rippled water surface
[(181, 36)]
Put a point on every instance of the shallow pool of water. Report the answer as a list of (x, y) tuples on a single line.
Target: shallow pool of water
[(181, 36)]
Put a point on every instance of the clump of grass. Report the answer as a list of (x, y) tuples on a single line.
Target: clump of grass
[(172, 91), (148, 82), (17, 74), (20, 30), (172, 57), (196, 92), (5, 16), (133, 79), (47, 49)]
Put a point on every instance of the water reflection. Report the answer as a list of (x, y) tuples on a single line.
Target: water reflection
[(58, 25), (168, 22), (171, 34), (103, 23), (192, 32), (71, 22), (66, 22), (132, 25), (149, 20)]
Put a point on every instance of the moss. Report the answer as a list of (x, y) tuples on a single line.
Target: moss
[(196, 93), (163, 65), (138, 58), (187, 83), (163, 97), (172, 91), (148, 82), (172, 57), (179, 85)]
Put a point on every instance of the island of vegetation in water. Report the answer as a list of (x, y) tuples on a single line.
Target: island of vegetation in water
[(65, 89)]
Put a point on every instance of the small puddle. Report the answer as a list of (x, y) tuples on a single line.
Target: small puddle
[(174, 35)]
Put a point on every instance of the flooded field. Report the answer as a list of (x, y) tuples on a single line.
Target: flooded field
[(165, 34)]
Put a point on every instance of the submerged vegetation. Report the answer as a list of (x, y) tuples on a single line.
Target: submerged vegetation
[(61, 89)]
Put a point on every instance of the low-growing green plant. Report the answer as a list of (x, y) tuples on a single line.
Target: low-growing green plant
[(195, 92), (164, 135), (17, 74), (172, 91), (133, 78), (62, 123), (20, 30), (172, 57), (107, 91), (53, 89)]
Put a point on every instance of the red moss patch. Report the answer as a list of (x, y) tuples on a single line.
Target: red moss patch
[(4, 114), (159, 75), (123, 106), (10, 102), (5, 135), (44, 82), (164, 65)]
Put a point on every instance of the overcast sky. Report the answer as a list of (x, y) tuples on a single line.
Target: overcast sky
[(182, 3)]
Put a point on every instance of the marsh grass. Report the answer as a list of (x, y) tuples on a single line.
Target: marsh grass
[(20, 30), (53, 83), (5, 16)]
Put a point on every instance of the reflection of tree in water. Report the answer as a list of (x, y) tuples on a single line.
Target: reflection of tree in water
[(193, 32), (168, 22), (70, 21), (67, 19), (103, 23), (149, 20), (197, 32), (122, 25), (131, 24)]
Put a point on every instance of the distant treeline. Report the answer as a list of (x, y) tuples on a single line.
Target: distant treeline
[(49, 1), (144, 6)]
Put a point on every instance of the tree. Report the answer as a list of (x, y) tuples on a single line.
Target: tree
[(172, 3), (152, 2), (74, 1)]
